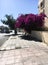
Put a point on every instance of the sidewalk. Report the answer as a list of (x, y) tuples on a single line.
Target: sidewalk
[(17, 51)]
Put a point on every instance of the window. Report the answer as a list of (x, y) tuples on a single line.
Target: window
[(41, 5)]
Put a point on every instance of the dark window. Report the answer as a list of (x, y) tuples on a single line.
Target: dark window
[(41, 4)]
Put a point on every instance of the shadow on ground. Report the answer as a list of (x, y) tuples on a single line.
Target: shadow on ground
[(25, 37), (29, 38)]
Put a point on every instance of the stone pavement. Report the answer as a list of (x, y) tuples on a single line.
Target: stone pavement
[(17, 51)]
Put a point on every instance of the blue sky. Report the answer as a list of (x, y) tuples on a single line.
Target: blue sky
[(16, 7)]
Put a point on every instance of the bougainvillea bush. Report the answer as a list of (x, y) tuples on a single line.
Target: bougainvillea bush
[(30, 22)]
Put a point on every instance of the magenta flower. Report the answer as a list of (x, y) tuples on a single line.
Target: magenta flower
[(30, 18), (42, 14), (17, 25), (20, 21), (30, 21)]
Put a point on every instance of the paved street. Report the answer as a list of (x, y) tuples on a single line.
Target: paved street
[(17, 51), (3, 39)]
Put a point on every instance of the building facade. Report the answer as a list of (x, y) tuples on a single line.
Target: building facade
[(43, 8)]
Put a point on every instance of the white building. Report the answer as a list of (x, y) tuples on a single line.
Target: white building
[(43, 7)]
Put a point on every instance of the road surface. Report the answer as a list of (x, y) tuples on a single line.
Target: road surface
[(3, 38)]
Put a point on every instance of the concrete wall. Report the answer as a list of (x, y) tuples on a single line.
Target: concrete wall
[(46, 7), (46, 12), (45, 36), (46, 22), (37, 35), (40, 35)]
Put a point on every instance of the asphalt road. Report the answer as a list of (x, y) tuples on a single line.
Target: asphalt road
[(3, 39)]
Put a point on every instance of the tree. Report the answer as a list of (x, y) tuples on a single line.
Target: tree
[(30, 22), (10, 21)]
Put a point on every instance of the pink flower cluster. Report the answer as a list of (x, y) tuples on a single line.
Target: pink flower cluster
[(30, 21)]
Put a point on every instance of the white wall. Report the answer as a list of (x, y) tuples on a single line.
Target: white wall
[(40, 35), (37, 35)]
